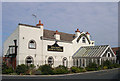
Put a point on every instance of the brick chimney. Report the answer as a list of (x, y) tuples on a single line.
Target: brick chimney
[(39, 24), (88, 35)]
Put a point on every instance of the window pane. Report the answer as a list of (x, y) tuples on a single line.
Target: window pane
[(32, 44)]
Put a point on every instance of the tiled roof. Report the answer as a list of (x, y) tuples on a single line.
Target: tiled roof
[(90, 51), (116, 49), (63, 36)]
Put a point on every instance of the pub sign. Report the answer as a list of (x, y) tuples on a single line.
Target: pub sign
[(55, 47)]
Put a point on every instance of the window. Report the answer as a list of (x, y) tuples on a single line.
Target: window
[(32, 44), (29, 60), (83, 40), (50, 60), (108, 54), (65, 62)]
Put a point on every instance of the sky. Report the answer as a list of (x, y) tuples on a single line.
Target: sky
[(100, 19)]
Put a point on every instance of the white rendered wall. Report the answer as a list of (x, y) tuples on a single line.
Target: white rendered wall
[(10, 41), (30, 33), (58, 56)]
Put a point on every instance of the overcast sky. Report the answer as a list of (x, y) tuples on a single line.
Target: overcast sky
[(100, 19)]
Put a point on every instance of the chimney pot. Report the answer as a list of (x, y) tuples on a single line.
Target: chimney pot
[(39, 24), (77, 30)]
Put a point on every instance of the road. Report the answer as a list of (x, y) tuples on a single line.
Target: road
[(106, 74)]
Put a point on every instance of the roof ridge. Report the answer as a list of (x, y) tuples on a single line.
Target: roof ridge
[(95, 46), (58, 31)]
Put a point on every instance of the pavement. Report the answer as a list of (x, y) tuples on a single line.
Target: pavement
[(102, 74)]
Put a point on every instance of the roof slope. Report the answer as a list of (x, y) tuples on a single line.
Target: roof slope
[(90, 51), (63, 36)]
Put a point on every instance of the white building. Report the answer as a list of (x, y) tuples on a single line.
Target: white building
[(36, 45)]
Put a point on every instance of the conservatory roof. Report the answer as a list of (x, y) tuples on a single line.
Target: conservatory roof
[(90, 51)]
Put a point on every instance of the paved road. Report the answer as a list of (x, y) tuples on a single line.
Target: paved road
[(107, 74)]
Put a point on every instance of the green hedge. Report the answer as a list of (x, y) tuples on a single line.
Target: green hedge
[(46, 69), (21, 69), (74, 69), (61, 70)]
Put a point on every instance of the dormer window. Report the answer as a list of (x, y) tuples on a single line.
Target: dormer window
[(32, 44), (83, 40)]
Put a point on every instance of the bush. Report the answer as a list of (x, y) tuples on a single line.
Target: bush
[(82, 69), (61, 70), (116, 65), (92, 67), (105, 67), (31, 70), (108, 64), (37, 72), (13, 73), (74, 69), (99, 68), (21, 69), (46, 69), (6, 69), (31, 67)]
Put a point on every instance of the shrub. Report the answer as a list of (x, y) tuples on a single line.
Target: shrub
[(74, 69), (92, 65), (46, 69), (21, 69), (90, 69), (13, 73), (31, 69), (99, 68), (37, 72), (108, 64), (6, 69), (105, 67), (116, 65), (82, 69), (61, 70)]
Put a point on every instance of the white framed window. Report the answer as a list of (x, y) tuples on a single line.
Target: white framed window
[(65, 62), (32, 44), (50, 61), (108, 54), (83, 40), (29, 60)]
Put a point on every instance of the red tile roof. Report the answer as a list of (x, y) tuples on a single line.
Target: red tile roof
[(115, 49)]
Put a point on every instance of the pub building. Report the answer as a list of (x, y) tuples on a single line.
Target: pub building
[(35, 45)]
